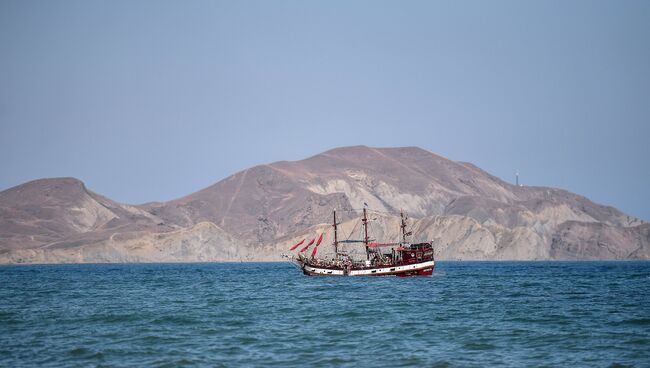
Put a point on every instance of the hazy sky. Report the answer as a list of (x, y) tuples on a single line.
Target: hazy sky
[(152, 100)]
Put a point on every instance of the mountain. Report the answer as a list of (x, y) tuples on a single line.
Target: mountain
[(49, 211), (257, 213), (60, 220)]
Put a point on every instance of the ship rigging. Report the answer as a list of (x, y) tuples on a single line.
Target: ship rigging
[(401, 258)]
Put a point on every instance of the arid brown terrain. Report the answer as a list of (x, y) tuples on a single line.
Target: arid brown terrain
[(258, 213)]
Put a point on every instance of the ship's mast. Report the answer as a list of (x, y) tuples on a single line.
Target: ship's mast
[(403, 226), (336, 240), (365, 231)]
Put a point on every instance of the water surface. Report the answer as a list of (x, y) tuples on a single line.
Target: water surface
[(466, 314)]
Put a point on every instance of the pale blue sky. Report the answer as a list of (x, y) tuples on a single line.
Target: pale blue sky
[(152, 100)]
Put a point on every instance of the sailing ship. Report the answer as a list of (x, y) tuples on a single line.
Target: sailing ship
[(401, 258)]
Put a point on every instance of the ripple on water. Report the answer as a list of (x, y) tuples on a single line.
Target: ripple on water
[(467, 314)]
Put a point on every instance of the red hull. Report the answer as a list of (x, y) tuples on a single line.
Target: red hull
[(428, 272), (424, 269)]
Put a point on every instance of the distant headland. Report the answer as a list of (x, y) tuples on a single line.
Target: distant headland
[(257, 213)]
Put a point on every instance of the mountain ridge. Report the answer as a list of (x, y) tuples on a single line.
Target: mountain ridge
[(253, 210)]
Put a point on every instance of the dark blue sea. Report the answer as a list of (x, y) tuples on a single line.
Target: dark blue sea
[(580, 314)]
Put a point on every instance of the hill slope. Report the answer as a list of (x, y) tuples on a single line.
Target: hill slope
[(255, 213)]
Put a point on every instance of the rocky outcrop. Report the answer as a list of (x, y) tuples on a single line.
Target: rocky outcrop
[(579, 240), (203, 242)]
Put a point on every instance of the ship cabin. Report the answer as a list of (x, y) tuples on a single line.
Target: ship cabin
[(416, 253)]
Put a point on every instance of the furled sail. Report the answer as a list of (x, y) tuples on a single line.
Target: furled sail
[(320, 239), (297, 245), (313, 253), (307, 246), (373, 245)]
